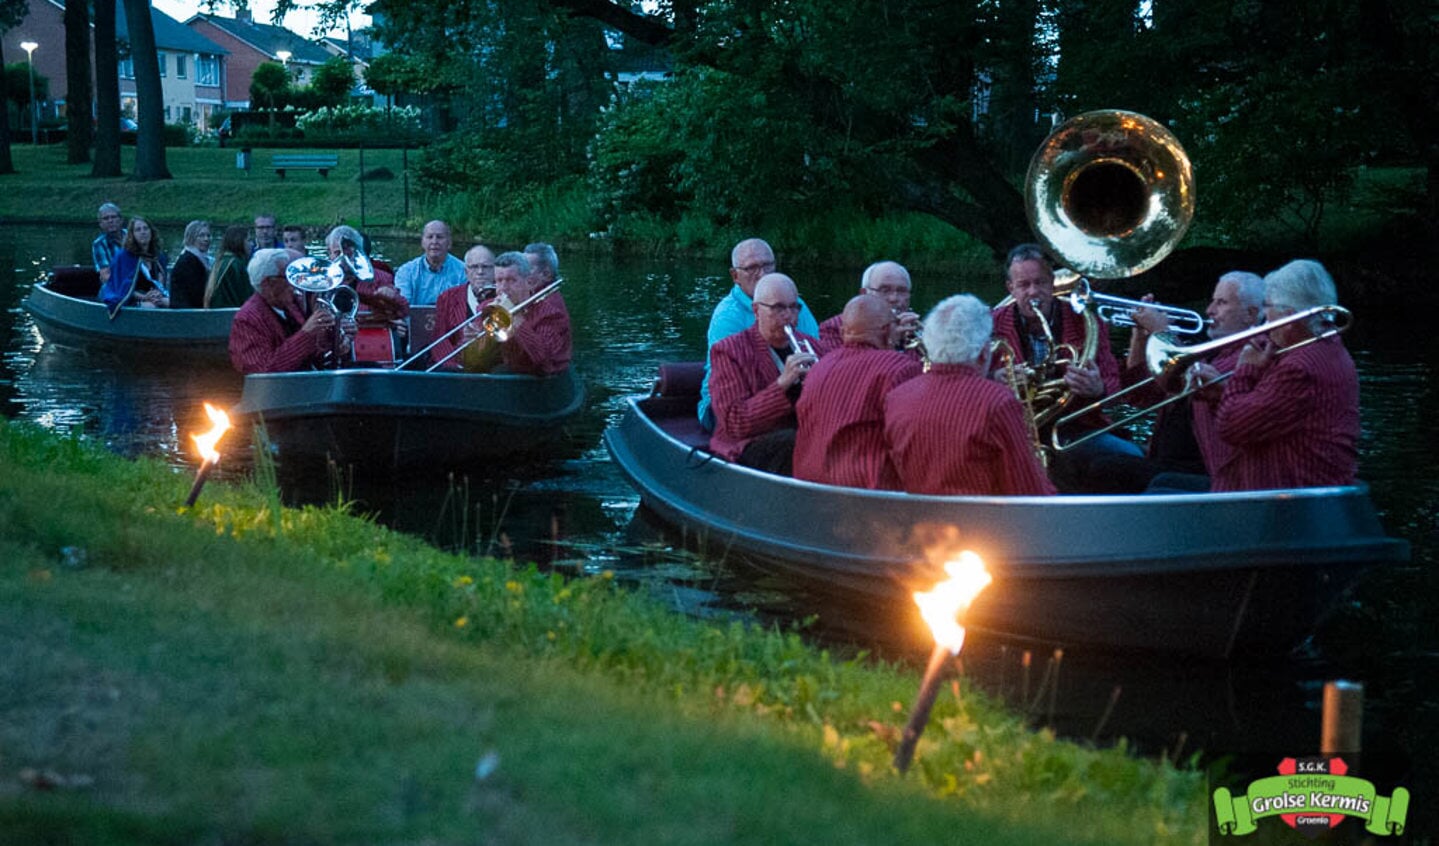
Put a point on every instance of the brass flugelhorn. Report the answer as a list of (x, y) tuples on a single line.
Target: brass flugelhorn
[(1167, 360)]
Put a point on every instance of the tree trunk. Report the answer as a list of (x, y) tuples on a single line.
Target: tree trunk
[(78, 96), (7, 165), (107, 92), (150, 114)]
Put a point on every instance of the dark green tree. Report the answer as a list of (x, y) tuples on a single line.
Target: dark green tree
[(18, 84), (150, 138), (80, 134), (269, 85), (107, 92), (333, 81), (12, 12)]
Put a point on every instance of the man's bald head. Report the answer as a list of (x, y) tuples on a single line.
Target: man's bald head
[(775, 284), (867, 321)]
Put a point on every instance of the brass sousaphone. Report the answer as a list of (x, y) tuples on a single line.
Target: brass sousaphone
[(1110, 193)]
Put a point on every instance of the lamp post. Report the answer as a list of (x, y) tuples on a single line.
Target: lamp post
[(284, 57), (29, 48)]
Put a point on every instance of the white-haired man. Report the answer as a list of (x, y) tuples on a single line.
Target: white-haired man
[(889, 281), (270, 334), (422, 278), (1183, 444), (1292, 420), (460, 304), (750, 260), (953, 430)]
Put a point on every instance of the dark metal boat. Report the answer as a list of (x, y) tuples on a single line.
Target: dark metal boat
[(1215, 575), (393, 419), (68, 313)]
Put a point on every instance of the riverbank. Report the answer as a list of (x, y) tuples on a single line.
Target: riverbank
[(246, 672)]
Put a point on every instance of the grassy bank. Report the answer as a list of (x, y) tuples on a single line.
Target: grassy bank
[(240, 673)]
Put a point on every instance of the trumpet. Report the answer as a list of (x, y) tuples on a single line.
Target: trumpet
[(1166, 360), (798, 345), (1118, 311)]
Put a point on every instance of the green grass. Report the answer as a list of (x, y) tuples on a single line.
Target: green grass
[(234, 674), (208, 186)]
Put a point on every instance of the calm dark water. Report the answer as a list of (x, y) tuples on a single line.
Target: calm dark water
[(579, 513)]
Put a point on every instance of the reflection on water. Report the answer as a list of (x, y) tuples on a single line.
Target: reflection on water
[(580, 514)]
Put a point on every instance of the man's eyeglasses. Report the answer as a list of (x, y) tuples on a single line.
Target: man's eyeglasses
[(781, 307), (758, 267), (887, 290)]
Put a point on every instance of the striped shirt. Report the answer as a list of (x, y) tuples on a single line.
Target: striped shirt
[(952, 431), (746, 396), (1292, 424), (1068, 328), (260, 342), (452, 309), (1216, 450), (831, 337), (104, 248), (541, 346), (841, 417), (735, 313)]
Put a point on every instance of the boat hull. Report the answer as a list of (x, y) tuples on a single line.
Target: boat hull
[(410, 419), (171, 334), (1215, 575)]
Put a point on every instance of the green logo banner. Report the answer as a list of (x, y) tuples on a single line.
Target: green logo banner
[(1311, 794)]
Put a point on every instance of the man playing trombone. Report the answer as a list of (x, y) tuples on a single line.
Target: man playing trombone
[(538, 339), (1291, 410), (1183, 444)]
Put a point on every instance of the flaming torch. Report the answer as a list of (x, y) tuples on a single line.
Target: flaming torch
[(205, 444), (941, 608)]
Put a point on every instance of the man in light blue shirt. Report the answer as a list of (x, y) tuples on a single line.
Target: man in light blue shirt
[(749, 260), (422, 279)]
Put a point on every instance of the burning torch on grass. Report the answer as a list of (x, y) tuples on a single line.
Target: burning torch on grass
[(941, 608), (206, 443)]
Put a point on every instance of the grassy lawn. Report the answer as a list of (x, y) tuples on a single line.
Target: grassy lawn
[(245, 673), (208, 186)]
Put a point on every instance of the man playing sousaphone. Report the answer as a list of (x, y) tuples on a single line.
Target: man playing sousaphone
[(1036, 325), (381, 303)]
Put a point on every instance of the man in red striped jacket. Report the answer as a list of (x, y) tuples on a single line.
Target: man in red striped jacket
[(1293, 420), (953, 430), (755, 381), (889, 281), (270, 334), (841, 410), (538, 342)]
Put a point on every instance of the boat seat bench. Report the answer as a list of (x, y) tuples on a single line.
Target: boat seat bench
[(282, 162)]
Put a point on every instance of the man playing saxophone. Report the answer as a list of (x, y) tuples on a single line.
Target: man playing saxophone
[(1036, 325)]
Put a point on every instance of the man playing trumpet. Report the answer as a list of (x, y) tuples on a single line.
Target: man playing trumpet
[(889, 281), (755, 380)]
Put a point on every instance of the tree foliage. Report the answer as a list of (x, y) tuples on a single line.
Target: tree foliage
[(269, 85), (332, 82), (17, 85)]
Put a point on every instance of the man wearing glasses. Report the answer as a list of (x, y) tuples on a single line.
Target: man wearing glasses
[(749, 260), (756, 381), (107, 243), (888, 280)]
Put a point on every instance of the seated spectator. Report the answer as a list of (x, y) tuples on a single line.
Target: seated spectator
[(229, 283), (953, 430), (755, 378), (421, 279), (841, 410), (192, 268), (137, 275), (107, 243), (292, 237), (270, 333)]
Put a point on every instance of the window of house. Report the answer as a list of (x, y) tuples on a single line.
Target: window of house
[(185, 115), (180, 66), (161, 57), (207, 70), (127, 68)]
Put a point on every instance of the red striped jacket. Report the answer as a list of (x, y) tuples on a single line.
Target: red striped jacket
[(541, 346), (841, 417), (746, 399), (952, 431), (261, 343)]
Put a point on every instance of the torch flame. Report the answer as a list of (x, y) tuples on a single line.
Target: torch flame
[(219, 425), (941, 605)]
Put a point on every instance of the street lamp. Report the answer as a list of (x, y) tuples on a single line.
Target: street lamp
[(284, 57), (29, 48)]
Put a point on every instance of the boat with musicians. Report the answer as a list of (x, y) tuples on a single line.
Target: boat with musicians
[(67, 310), (861, 470)]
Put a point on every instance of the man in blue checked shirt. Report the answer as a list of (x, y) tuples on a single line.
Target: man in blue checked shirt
[(107, 243)]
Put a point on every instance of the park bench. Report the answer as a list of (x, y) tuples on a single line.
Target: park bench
[(290, 161)]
